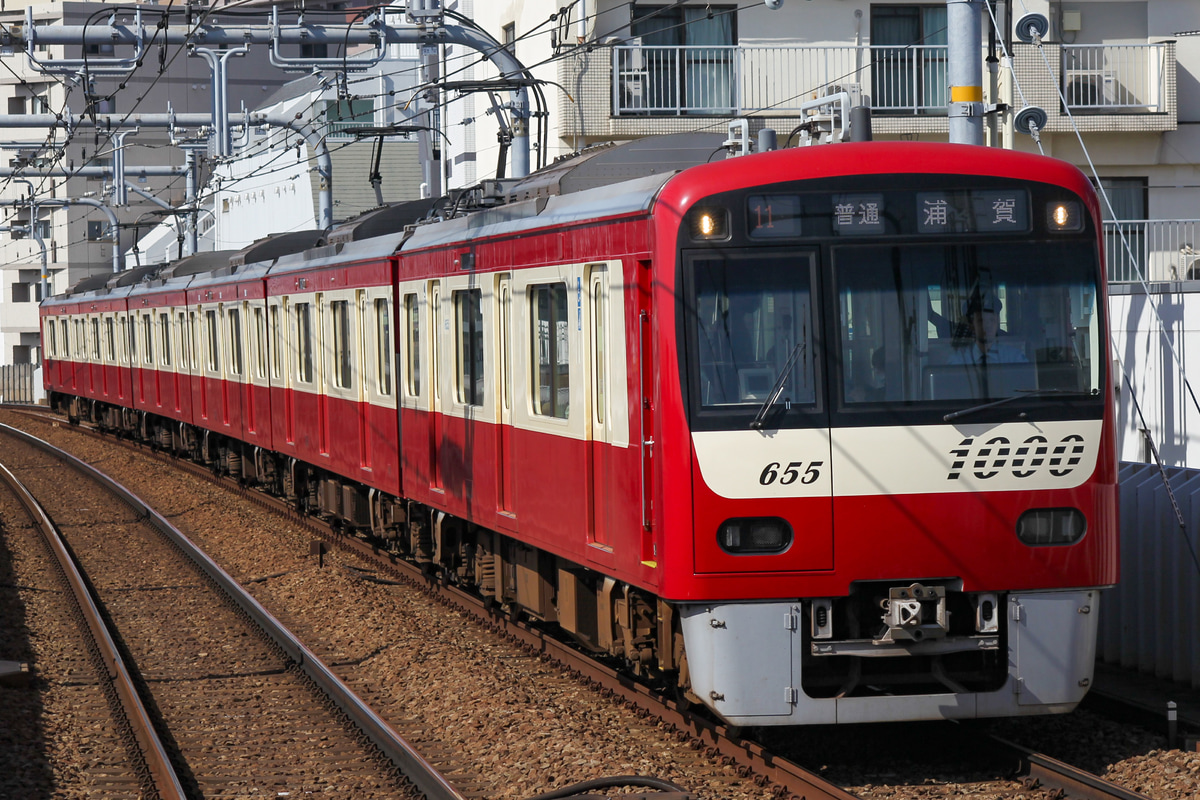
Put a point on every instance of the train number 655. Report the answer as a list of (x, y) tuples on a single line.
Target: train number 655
[(791, 473)]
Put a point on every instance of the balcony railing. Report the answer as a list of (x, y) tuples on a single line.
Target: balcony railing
[(733, 80), (1114, 79), (1158, 250)]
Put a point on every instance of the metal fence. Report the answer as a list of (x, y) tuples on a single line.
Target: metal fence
[(732, 80), (1110, 79), (1139, 250), (1148, 622), (17, 383)]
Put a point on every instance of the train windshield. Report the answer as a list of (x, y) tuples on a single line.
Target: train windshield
[(753, 327), (905, 332), (965, 323)]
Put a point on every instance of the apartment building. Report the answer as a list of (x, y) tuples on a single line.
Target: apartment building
[(78, 238), (1119, 82)]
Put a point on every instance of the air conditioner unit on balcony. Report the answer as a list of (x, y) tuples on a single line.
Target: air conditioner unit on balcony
[(1090, 87)]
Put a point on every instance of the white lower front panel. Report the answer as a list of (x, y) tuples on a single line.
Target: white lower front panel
[(745, 663)]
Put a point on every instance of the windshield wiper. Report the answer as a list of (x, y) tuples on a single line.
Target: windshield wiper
[(777, 389), (1023, 393)]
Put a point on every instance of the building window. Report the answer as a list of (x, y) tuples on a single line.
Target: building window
[(95, 230), (908, 59), (317, 50), (343, 116), (685, 63), (550, 338), (468, 315), (16, 105), (20, 292), (1129, 200), (509, 37)]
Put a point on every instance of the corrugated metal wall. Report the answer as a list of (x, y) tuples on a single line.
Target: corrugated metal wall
[(1151, 621), (17, 383)]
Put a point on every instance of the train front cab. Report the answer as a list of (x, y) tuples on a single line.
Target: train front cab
[(881, 525)]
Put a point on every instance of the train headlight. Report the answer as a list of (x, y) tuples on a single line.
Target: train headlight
[(754, 535), (709, 224), (1064, 216), (1051, 526)]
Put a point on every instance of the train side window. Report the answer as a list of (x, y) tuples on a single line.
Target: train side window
[(412, 345), (52, 338), (304, 354), (599, 332), (343, 359), (181, 336), (164, 332), (212, 335), (383, 345), (148, 338), (133, 334), (235, 341), (551, 356), (96, 339), (468, 316), (276, 343), (260, 341), (194, 340), (110, 339)]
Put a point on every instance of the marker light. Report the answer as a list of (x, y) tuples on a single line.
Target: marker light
[(709, 224), (1064, 216), (1051, 526), (754, 535)]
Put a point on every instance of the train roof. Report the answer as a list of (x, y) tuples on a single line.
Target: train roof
[(543, 212)]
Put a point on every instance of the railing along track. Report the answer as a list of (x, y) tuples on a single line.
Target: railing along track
[(755, 762), (403, 755)]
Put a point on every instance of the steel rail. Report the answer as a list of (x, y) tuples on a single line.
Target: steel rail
[(1043, 771), (1038, 769), (154, 755), (406, 758)]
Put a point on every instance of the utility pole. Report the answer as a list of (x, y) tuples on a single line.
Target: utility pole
[(963, 35)]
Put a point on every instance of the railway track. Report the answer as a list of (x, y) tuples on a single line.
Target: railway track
[(752, 761), (220, 698)]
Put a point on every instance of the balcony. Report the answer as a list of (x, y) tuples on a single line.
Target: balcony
[(731, 81), (1152, 250), (1115, 79)]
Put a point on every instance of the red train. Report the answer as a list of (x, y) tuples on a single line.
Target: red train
[(817, 435)]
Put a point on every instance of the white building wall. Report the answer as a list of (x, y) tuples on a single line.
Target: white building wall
[(1166, 384), (261, 194)]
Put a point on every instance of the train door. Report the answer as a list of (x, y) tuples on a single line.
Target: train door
[(435, 384), (600, 451), (505, 485), (369, 379), (323, 378)]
